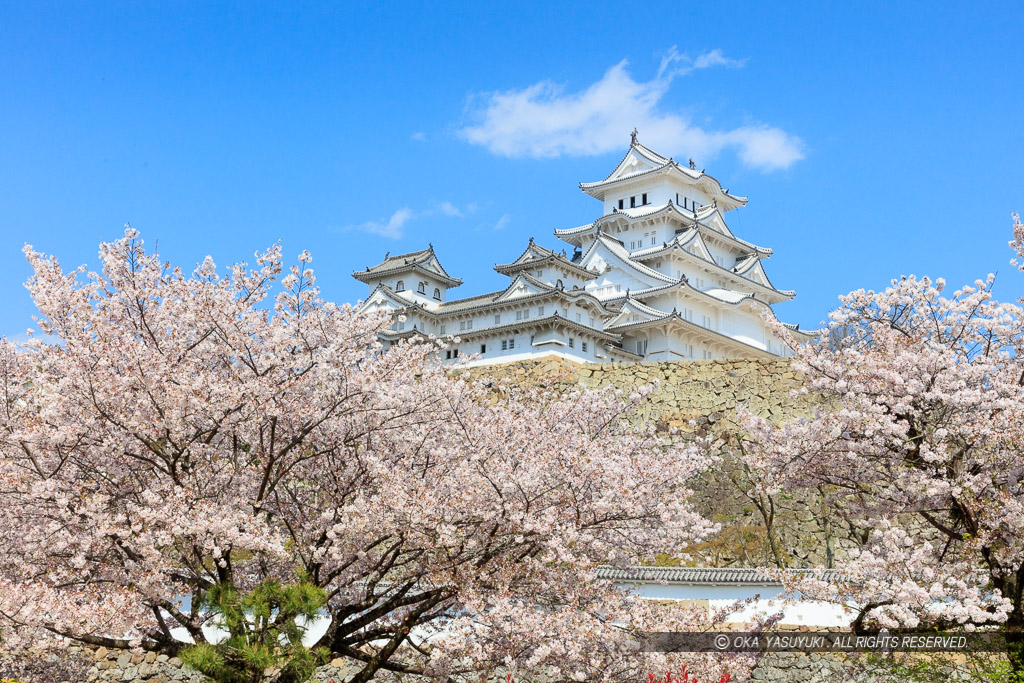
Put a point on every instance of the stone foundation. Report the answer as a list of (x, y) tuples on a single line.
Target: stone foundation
[(702, 392)]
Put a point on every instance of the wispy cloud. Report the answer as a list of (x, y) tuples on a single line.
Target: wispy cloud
[(394, 226), (544, 121), (502, 222), (449, 209), (419, 136)]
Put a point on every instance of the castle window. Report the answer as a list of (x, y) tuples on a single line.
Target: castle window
[(558, 283), (400, 286), (465, 325), (497, 319), (437, 293), (644, 197), (483, 348), (443, 330), (421, 288), (572, 342), (632, 202), (622, 203), (540, 310), (504, 345), (584, 345), (512, 343)]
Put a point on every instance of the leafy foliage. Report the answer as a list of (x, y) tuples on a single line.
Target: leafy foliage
[(265, 628)]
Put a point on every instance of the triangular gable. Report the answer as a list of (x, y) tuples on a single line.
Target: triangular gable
[(382, 297), (533, 252), (607, 251), (634, 311), (523, 285), (634, 162), (715, 221), (756, 273), (434, 265), (697, 246)]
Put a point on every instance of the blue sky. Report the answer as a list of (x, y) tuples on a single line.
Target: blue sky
[(873, 139)]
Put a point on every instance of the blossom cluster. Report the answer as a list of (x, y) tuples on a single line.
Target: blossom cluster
[(194, 429)]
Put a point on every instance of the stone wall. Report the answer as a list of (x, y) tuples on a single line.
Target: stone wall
[(102, 665), (704, 396), (703, 392)]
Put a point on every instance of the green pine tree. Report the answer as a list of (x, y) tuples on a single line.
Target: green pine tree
[(265, 634)]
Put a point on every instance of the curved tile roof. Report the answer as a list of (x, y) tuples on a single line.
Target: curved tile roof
[(699, 575), (661, 164)]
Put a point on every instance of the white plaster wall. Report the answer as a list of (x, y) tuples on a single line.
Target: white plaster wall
[(746, 327), (771, 600)]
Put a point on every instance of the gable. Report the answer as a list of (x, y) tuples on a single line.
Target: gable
[(522, 286), (717, 223), (757, 274), (632, 312), (632, 164), (601, 257), (382, 299)]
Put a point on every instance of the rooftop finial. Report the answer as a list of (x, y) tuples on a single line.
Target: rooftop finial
[(387, 254), (693, 166), (632, 137)]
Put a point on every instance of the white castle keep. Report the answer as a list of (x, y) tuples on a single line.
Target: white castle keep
[(659, 276)]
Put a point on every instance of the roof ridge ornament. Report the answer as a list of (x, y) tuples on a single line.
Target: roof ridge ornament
[(693, 166), (632, 137)]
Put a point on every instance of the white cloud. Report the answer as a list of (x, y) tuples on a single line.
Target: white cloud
[(394, 227), (449, 209), (502, 222), (391, 228), (544, 121), (419, 136)]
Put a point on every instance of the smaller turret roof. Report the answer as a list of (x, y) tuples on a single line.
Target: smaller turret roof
[(654, 164), (424, 260), (536, 255)]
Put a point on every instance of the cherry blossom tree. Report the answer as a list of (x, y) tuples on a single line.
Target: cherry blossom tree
[(187, 432), (920, 439)]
